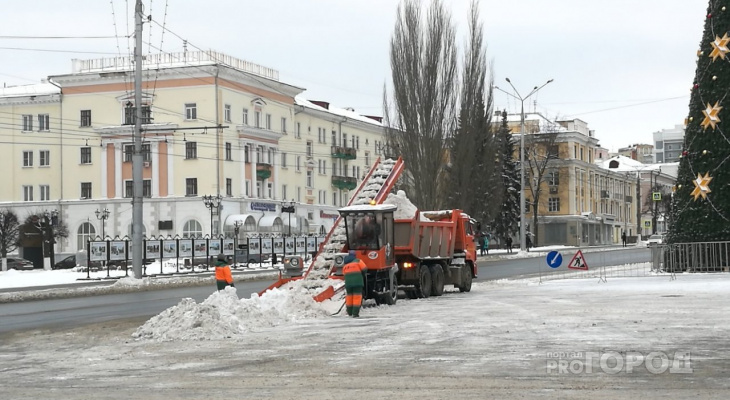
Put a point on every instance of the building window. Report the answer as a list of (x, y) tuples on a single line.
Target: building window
[(27, 158), (299, 194), (86, 155), (147, 188), (553, 178), (367, 158), (268, 121), (269, 190), (283, 160), (45, 158), (334, 198), (322, 167), (229, 152), (257, 118), (310, 178), (191, 111), (191, 186), (128, 189), (191, 150), (334, 138), (227, 113), (192, 229), (299, 163), (43, 122), (246, 155), (322, 197), (310, 145), (283, 124), (298, 133), (85, 190), (85, 117), (258, 189), (554, 204), (128, 151), (245, 116), (85, 233), (45, 192), (130, 115), (146, 152), (229, 187), (27, 123), (259, 152), (248, 187), (283, 192), (27, 193)]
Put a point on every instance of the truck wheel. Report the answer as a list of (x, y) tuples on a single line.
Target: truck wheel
[(437, 280), (392, 296), (423, 288), (466, 279)]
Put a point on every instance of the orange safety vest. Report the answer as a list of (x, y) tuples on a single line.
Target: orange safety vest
[(223, 273)]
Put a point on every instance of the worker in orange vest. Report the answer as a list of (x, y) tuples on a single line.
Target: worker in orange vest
[(223, 275), (353, 270)]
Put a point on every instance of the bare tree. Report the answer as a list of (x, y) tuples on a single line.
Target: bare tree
[(540, 149), (472, 150), (423, 63), (9, 232)]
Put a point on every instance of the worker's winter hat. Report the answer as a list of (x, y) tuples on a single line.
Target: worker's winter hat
[(221, 258), (352, 253), (349, 258)]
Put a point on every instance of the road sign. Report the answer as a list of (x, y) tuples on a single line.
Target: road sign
[(554, 259), (578, 261), (656, 196)]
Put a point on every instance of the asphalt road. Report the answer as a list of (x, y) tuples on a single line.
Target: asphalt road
[(55, 313)]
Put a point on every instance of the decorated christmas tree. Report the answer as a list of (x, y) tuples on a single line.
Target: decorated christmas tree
[(701, 205)]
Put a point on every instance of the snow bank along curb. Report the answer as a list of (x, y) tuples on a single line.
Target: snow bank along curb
[(126, 285)]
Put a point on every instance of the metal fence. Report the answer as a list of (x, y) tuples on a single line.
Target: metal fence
[(691, 257), (599, 264)]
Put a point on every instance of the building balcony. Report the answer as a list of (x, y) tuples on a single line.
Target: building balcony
[(263, 171), (344, 182), (346, 153)]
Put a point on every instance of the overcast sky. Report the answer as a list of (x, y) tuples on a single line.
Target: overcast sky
[(623, 66)]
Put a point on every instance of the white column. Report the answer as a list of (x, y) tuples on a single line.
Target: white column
[(275, 175), (170, 167), (242, 167), (118, 159), (103, 159)]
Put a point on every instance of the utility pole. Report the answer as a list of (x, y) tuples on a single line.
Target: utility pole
[(137, 214)]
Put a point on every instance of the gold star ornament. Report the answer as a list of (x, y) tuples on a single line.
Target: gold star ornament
[(701, 186), (720, 47), (711, 118)]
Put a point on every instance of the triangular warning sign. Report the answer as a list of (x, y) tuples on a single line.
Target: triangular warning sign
[(578, 261)]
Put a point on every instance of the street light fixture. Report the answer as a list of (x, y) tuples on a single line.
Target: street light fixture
[(288, 207), (102, 215), (522, 151), (213, 203), (236, 229)]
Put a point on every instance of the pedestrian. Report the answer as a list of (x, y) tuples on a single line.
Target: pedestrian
[(354, 270), (223, 275), (508, 241), (623, 238), (486, 244), (528, 241), (482, 238)]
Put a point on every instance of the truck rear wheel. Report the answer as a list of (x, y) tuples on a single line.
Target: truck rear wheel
[(437, 280), (466, 279), (423, 288)]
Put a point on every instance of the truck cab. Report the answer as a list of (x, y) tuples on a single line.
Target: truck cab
[(369, 230)]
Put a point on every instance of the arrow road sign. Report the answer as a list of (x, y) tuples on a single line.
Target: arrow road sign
[(554, 259)]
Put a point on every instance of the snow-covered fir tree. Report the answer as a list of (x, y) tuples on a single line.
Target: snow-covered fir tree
[(506, 222), (701, 205)]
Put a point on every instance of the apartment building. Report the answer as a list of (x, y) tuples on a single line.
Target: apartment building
[(579, 202), (213, 125), (643, 153), (668, 144)]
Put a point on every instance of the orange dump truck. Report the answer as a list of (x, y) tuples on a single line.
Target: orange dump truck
[(418, 255)]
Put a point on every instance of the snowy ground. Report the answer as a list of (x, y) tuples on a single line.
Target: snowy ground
[(506, 339)]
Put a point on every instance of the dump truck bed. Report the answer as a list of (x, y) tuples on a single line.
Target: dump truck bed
[(423, 237)]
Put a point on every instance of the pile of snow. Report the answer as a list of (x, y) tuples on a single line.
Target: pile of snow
[(223, 315), (406, 209)]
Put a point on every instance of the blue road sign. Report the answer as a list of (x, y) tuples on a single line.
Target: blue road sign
[(554, 259)]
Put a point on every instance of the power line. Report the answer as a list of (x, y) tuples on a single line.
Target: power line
[(56, 51), (58, 37)]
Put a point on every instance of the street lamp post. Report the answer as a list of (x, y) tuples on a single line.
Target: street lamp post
[(213, 203), (522, 151), (102, 215), (288, 207), (236, 229)]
